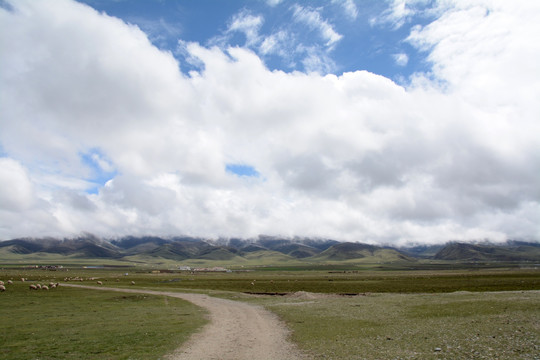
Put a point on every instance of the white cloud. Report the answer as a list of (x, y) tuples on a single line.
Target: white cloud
[(401, 59), (291, 41), (314, 20), (16, 189), (274, 2), (275, 43), (352, 157), (103, 163), (248, 24), (401, 11), (316, 60), (349, 7)]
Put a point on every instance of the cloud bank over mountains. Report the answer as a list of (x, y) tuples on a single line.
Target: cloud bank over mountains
[(100, 131)]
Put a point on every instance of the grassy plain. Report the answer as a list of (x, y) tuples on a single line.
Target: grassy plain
[(500, 325), (69, 323), (454, 313)]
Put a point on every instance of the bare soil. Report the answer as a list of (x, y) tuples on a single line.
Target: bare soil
[(236, 330)]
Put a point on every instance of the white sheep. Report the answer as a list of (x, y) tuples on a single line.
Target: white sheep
[(33, 287), (44, 287), (38, 286), (2, 288), (1, 282), (99, 283), (133, 283), (10, 282)]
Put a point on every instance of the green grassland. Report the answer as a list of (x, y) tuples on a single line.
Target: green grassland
[(327, 280), (69, 323), (455, 313)]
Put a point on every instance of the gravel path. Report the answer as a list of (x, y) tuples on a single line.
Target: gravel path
[(236, 330)]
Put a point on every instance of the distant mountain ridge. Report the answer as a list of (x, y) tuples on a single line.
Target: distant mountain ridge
[(512, 251), (304, 249)]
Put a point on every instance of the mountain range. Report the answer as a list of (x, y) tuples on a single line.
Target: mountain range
[(264, 249)]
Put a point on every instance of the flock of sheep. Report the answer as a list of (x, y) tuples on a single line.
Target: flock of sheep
[(51, 285), (44, 287), (31, 287), (91, 279), (3, 285)]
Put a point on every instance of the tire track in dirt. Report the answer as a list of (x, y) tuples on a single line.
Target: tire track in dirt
[(236, 331)]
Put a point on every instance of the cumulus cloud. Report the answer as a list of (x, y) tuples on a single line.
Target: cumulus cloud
[(355, 156), (16, 189)]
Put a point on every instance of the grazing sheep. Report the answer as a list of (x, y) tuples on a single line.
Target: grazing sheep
[(133, 283), (1, 282), (51, 284), (23, 279), (99, 283), (44, 287), (10, 282), (2, 288), (33, 287), (38, 286)]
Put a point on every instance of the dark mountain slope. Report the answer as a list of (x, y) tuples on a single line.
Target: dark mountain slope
[(485, 252), (80, 247)]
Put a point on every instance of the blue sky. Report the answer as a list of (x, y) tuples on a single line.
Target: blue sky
[(384, 122), (364, 41)]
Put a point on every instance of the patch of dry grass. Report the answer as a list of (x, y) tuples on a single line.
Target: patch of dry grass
[(504, 325)]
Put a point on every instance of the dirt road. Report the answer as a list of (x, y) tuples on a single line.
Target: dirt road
[(236, 330)]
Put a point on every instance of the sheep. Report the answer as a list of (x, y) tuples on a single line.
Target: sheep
[(44, 287), (33, 287), (99, 283), (1, 282), (10, 282), (23, 279), (38, 286), (51, 284), (133, 283), (2, 288)]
